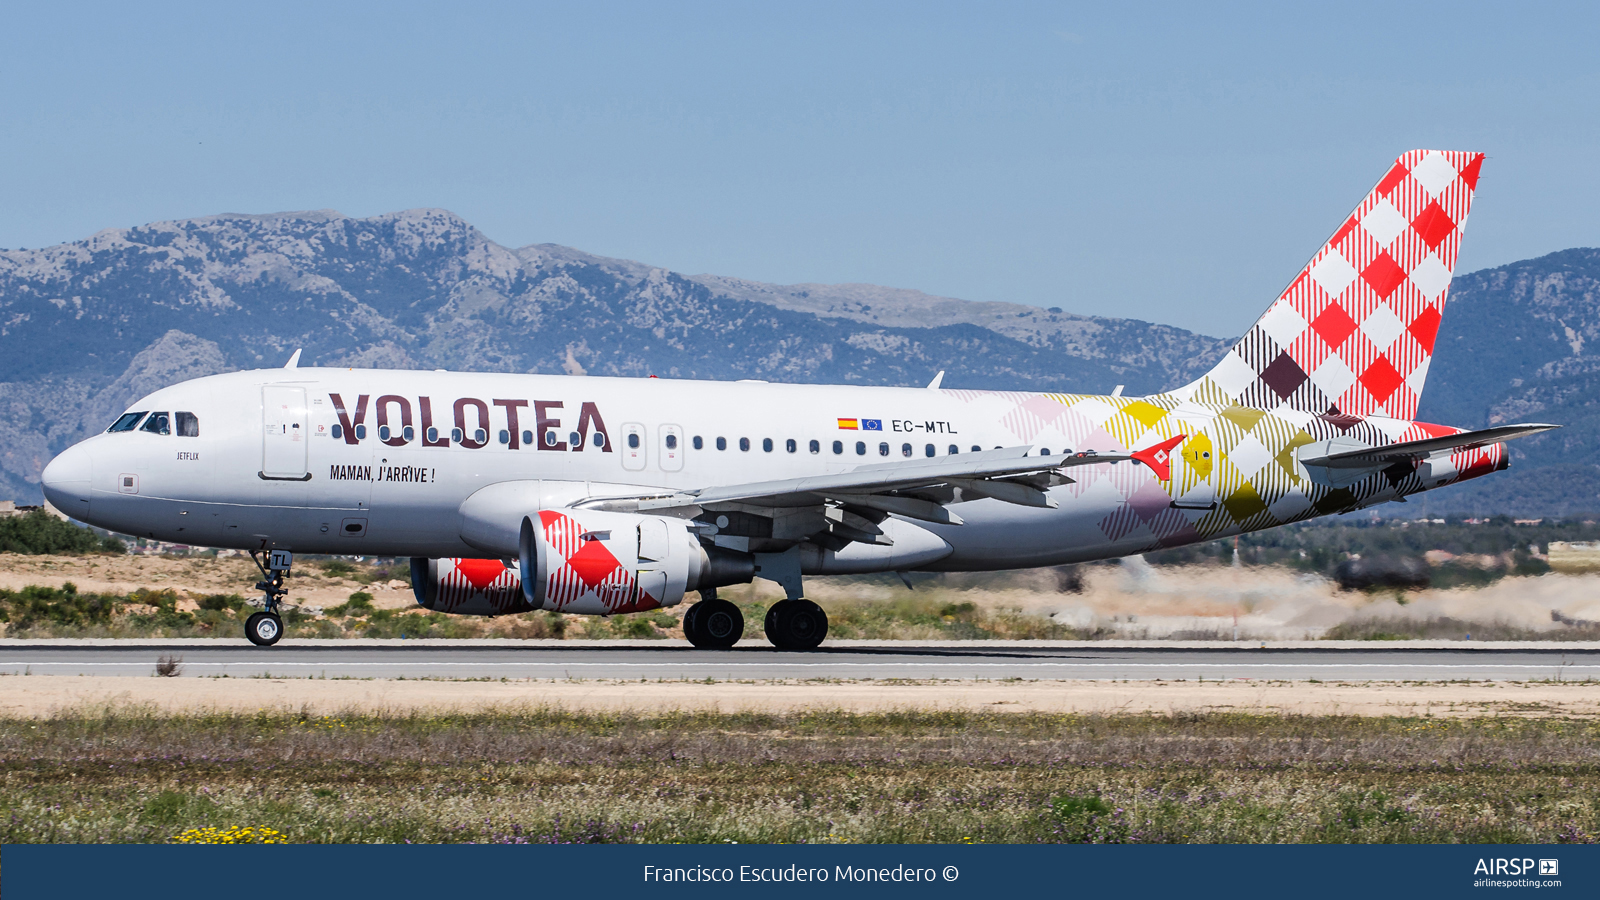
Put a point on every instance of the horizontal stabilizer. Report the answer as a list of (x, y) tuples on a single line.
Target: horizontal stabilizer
[(1377, 457)]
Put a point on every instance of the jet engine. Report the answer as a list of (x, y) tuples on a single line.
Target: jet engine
[(600, 563), (468, 587), (582, 561)]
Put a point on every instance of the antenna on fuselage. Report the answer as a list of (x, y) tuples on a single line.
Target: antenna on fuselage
[(294, 361)]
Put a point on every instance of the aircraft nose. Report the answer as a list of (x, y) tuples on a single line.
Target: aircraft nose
[(67, 479)]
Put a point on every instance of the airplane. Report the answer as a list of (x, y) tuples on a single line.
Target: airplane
[(603, 496)]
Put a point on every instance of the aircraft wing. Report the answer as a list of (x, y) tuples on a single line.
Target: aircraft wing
[(1414, 450), (1007, 474)]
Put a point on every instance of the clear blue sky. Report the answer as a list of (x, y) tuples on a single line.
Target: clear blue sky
[(1152, 161)]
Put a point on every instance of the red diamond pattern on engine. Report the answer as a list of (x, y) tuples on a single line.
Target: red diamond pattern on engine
[(1361, 318), (587, 570), (593, 563)]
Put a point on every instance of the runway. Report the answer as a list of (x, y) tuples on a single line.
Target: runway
[(676, 661)]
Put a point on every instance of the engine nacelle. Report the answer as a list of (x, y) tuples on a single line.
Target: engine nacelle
[(600, 563), (468, 587)]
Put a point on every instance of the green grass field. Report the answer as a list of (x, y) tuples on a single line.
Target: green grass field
[(545, 776)]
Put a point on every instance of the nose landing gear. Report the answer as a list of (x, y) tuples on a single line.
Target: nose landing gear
[(265, 628)]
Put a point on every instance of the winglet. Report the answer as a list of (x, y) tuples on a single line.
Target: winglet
[(937, 380), (294, 361), (1159, 457)]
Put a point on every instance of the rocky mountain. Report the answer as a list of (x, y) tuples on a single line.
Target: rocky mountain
[(88, 326), (1521, 343)]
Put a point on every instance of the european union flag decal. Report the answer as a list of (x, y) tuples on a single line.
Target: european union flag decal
[(871, 424)]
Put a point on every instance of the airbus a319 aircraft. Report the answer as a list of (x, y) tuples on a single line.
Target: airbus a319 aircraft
[(603, 496)]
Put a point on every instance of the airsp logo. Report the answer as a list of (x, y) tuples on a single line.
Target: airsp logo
[(1524, 866)]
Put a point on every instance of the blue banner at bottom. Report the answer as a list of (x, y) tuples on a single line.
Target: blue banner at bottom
[(309, 872)]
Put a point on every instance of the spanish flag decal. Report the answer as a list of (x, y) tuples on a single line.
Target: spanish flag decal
[(849, 424)]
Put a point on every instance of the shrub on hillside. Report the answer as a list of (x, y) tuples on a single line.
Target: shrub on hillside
[(40, 532)]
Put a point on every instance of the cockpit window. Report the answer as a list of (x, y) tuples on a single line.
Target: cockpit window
[(188, 424), (126, 422), (158, 423)]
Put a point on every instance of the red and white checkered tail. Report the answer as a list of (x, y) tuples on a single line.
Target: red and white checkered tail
[(1352, 336)]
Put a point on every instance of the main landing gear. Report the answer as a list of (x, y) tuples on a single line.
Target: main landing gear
[(716, 624), (796, 625), (713, 623), (265, 628)]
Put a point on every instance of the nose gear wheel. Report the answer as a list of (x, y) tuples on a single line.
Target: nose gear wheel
[(263, 629)]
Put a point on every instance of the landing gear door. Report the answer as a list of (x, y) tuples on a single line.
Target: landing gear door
[(634, 451), (670, 454), (1195, 474), (284, 434)]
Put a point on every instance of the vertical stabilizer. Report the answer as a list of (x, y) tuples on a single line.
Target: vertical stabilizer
[(1353, 334)]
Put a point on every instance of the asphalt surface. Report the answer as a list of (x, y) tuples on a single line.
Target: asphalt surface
[(756, 661)]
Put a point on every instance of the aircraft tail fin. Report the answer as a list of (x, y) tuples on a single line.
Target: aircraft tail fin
[(1352, 336)]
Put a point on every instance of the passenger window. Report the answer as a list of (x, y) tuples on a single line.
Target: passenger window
[(722, 443), (505, 436), (633, 441), (744, 444), (157, 424), (574, 440), (883, 449), (698, 443), (599, 440), (527, 437), (928, 451), (861, 448), (126, 422), (431, 435), (816, 447), (790, 445), (188, 424), (408, 433), (479, 436), (672, 442), (361, 432), (383, 432), (905, 450), (455, 435), (954, 449), (838, 447), (337, 431), (766, 445), (976, 449)]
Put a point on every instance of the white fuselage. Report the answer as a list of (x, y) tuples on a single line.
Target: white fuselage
[(401, 498)]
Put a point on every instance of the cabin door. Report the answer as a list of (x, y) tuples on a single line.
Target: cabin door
[(283, 439)]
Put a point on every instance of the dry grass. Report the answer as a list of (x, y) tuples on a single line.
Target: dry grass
[(819, 776)]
